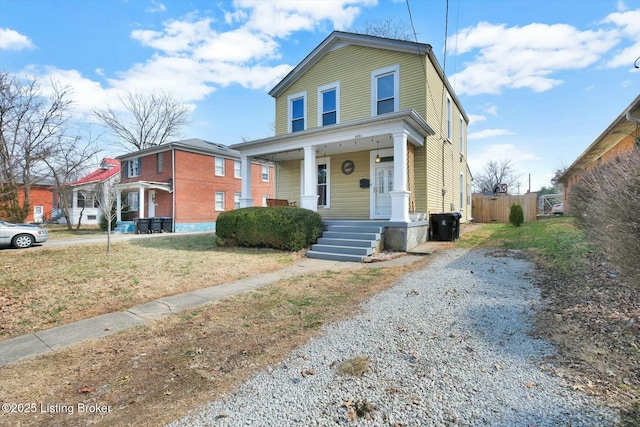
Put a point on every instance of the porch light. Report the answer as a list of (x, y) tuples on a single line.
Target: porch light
[(377, 151)]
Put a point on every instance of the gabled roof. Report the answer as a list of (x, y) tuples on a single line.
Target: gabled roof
[(338, 39), (195, 145), (108, 168), (616, 132)]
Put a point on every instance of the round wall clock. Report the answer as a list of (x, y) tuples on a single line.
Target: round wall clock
[(348, 167)]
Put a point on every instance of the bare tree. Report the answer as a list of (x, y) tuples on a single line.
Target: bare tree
[(152, 119), (69, 160), (496, 173), (388, 28), (30, 126), (108, 204)]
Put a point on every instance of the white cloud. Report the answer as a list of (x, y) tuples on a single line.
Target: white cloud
[(524, 57), (475, 118), (628, 24), (488, 133), (13, 40), (156, 7)]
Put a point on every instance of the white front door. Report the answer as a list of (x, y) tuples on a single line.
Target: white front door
[(38, 213), (152, 204), (381, 183)]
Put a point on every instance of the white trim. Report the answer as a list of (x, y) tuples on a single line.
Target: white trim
[(393, 69), (449, 108), (385, 152), (215, 201), (305, 114), (215, 166), (325, 88), (319, 161), (237, 169), (462, 132)]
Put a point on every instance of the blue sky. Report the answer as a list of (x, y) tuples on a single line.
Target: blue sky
[(540, 79)]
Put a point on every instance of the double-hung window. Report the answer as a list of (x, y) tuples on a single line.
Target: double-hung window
[(237, 169), (265, 173), (449, 120), (329, 104), (461, 136), (385, 88), (133, 167), (133, 201), (219, 166), (297, 111), (219, 202), (236, 200)]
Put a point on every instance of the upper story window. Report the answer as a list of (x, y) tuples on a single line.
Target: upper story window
[(461, 135), (219, 166), (160, 162), (265, 173), (329, 104), (297, 111), (449, 120), (385, 86), (133, 167), (237, 169)]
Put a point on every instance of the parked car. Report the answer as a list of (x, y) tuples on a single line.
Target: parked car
[(21, 235), (557, 209)]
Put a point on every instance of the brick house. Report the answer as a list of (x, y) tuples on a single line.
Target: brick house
[(189, 182), (621, 135)]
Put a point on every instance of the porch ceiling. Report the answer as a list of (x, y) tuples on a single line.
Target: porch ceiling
[(145, 184)]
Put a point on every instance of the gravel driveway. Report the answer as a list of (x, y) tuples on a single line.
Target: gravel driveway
[(447, 346)]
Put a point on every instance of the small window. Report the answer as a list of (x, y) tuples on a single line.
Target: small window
[(219, 200), (160, 161), (265, 173), (297, 111), (133, 201), (92, 217), (219, 166), (461, 135), (237, 169), (264, 199), (329, 104), (236, 200), (385, 85), (133, 167)]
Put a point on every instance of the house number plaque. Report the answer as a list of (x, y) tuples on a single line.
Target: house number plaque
[(348, 167)]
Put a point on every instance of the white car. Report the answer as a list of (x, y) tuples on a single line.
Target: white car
[(21, 235), (557, 209)]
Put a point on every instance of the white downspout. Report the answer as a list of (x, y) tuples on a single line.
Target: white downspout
[(631, 118)]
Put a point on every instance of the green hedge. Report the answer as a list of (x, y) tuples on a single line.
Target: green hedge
[(286, 228)]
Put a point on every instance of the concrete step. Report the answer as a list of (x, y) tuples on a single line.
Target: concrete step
[(335, 257), (355, 229), (347, 242), (351, 236), (351, 250)]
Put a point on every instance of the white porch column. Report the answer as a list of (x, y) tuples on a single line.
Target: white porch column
[(119, 205), (309, 197), (141, 202), (400, 193), (246, 201)]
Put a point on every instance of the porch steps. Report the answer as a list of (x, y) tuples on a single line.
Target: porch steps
[(350, 241)]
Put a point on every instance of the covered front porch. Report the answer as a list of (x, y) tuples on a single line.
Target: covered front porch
[(361, 170), (144, 199)]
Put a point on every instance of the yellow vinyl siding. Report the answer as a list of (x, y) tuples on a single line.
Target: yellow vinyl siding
[(352, 67)]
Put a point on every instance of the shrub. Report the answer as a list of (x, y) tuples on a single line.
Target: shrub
[(282, 227), (516, 216), (605, 203)]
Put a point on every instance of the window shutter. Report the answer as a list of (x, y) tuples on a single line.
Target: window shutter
[(139, 165)]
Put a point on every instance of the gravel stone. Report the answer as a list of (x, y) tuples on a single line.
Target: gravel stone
[(448, 345)]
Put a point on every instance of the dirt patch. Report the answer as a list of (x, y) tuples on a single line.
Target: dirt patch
[(594, 320)]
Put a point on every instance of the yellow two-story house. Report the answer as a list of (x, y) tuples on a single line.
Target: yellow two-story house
[(368, 131)]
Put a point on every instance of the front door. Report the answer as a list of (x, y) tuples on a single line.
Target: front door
[(38, 213), (152, 204), (382, 185)]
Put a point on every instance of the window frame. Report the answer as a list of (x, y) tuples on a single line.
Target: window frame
[(236, 200), (382, 72), (133, 167), (290, 99), (267, 168), (216, 166), (335, 86), (462, 131), (135, 205), (216, 201), (449, 107), (237, 169)]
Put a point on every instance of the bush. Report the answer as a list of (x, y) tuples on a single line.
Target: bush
[(286, 228), (605, 203), (516, 216)]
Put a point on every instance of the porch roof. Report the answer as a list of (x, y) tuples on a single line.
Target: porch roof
[(165, 186), (364, 134)]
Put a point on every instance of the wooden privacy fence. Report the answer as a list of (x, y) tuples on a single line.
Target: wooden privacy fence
[(497, 208)]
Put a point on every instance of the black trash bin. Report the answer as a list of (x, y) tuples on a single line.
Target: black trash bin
[(167, 224), (142, 225), (443, 227), (155, 225)]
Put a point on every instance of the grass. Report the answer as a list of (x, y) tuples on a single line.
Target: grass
[(557, 242)]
